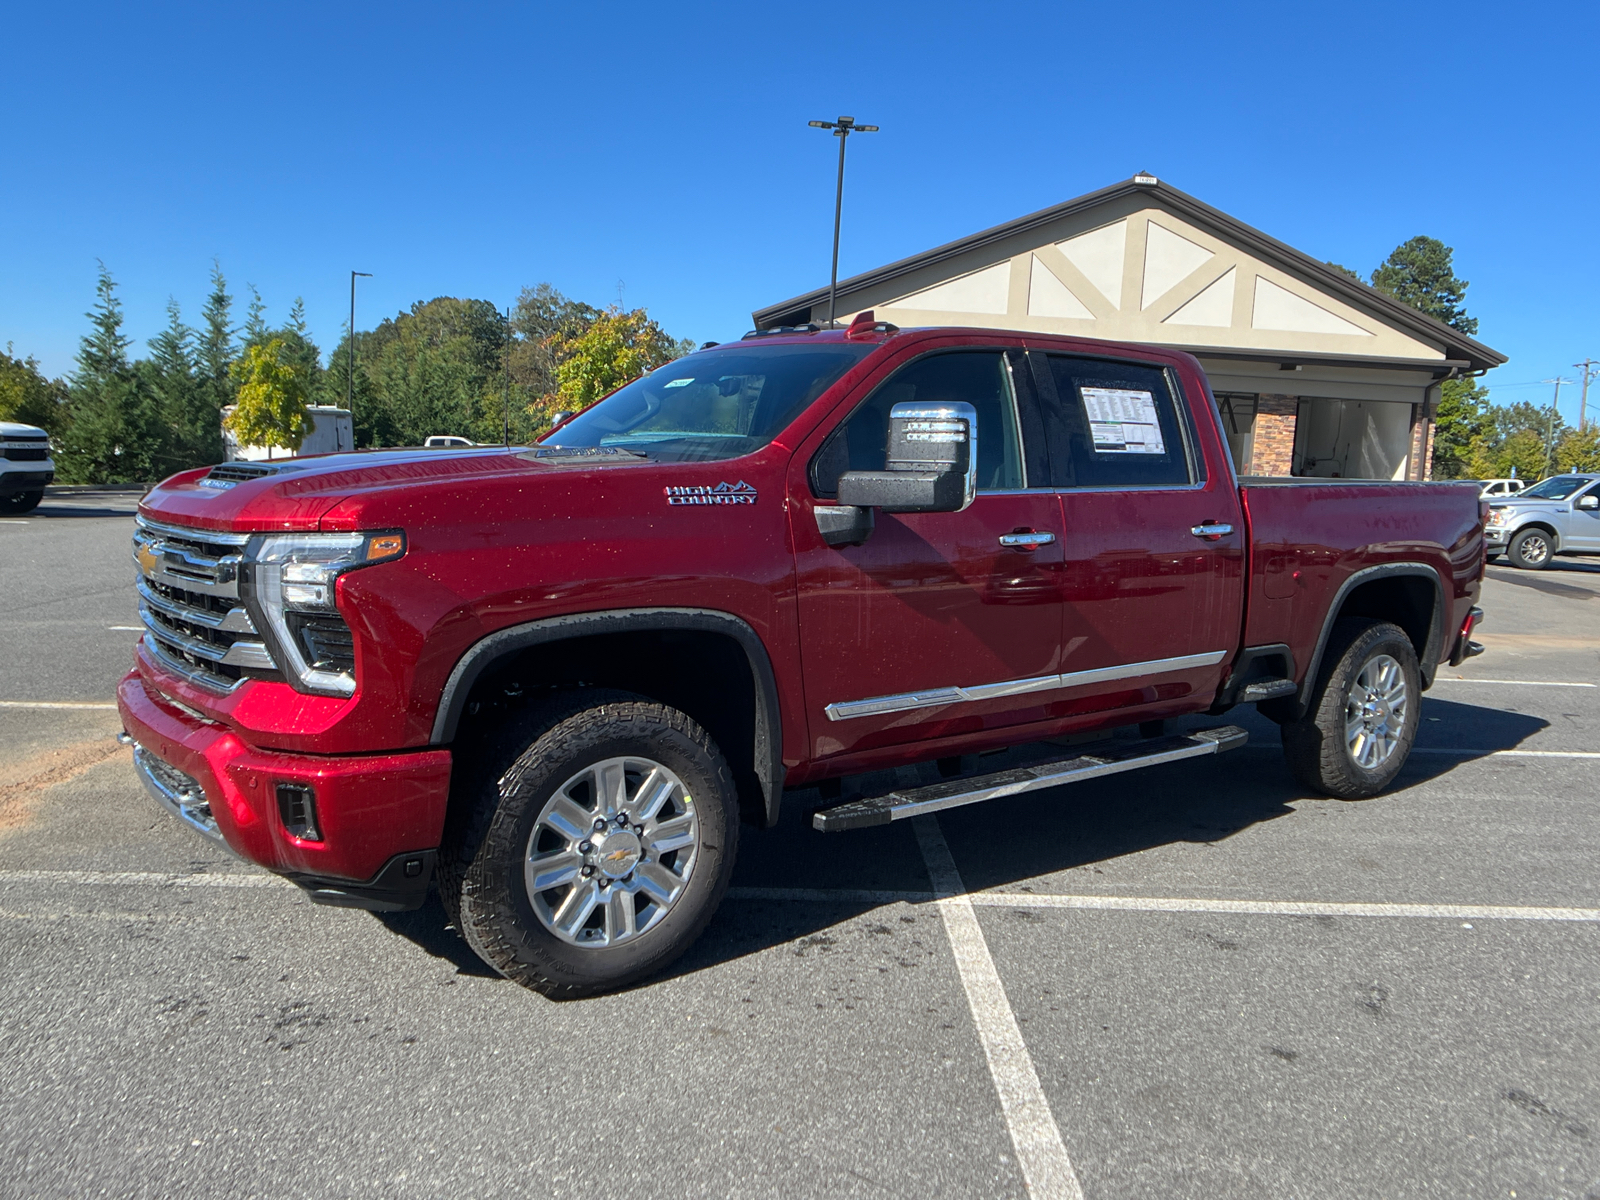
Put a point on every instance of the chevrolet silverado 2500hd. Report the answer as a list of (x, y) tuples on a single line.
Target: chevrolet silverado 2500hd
[(556, 680)]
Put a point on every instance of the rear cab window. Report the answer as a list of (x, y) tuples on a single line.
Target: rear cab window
[(1110, 423)]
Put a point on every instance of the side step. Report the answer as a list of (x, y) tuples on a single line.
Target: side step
[(1266, 689), (897, 806)]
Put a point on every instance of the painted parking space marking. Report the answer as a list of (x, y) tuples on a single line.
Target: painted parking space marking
[(1513, 682), (1507, 753), (1046, 1169), (57, 704), (156, 879), (1285, 908)]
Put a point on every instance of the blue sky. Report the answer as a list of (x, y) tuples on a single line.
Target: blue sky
[(663, 149)]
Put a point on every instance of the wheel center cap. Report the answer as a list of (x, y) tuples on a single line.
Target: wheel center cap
[(617, 853)]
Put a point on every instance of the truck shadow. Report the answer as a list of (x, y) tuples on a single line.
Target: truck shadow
[(1004, 843)]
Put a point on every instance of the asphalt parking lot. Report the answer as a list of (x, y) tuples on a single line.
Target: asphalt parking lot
[(1194, 981)]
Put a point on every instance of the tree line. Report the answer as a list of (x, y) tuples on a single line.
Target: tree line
[(445, 366)]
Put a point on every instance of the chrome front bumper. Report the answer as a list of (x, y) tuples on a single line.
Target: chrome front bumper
[(178, 793)]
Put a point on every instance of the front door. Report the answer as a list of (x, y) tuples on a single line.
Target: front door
[(1152, 535), (1583, 524), (934, 626)]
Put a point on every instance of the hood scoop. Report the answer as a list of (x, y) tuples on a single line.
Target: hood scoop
[(228, 474)]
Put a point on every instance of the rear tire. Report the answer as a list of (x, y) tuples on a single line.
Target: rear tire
[(607, 916), (1364, 712), (1531, 550), (20, 502)]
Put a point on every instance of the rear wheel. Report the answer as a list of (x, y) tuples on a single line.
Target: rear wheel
[(1363, 717), (1532, 550), (594, 845), (21, 502)]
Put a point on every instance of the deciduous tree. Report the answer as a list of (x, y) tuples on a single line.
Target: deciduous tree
[(271, 408), (27, 396)]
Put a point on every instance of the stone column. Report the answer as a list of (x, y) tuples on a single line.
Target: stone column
[(1272, 451)]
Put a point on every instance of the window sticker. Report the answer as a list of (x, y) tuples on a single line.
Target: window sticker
[(1122, 421), (681, 382)]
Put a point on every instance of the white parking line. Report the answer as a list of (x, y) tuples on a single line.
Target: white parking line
[(1512, 682), (57, 704), (144, 879), (1046, 1169), (1285, 908), (126, 628), (1508, 753)]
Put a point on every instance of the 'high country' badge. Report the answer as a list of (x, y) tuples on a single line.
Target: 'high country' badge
[(723, 493)]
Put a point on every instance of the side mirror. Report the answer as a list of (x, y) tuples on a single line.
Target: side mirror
[(932, 462), (1589, 502)]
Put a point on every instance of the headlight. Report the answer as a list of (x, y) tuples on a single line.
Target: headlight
[(291, 581), (1497, 516)]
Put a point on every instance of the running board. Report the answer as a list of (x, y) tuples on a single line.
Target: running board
[(897, 806)]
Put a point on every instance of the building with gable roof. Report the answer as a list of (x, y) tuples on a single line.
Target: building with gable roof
[(1315, 373)]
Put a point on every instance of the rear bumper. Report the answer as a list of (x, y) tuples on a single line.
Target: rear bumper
[(378, 816)]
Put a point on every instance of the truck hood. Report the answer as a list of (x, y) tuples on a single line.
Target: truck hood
[(294, 494)]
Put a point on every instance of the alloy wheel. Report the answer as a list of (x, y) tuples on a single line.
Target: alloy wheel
[(611, 852), (1375, 712)]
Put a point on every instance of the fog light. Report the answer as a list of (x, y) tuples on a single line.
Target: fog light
[(297, 807)]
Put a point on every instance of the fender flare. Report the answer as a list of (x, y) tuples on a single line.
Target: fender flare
[(768, 748), (1431, 651)]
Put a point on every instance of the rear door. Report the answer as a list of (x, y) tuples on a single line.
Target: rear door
[(1153, 536), (935, 625)]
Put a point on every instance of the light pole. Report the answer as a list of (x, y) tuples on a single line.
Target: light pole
[(842, 129), (350, 375)]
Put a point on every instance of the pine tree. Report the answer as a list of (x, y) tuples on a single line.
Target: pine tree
[(1420, 273), (255, 319), (216, 350), (114, 434), (172, 375)]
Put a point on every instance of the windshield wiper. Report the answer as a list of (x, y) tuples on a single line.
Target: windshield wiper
[(561, 455)]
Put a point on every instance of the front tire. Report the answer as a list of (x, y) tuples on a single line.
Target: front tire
[(1364, 713), (20, 502), (593, 845), (1532, 550)]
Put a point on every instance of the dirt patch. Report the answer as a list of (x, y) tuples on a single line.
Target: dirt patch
[(29, 779)]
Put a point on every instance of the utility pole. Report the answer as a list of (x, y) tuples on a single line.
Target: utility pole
[(1550, 425), (1590, 371), (350, 376), (842, 129)]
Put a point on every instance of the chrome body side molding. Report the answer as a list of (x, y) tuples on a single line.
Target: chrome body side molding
[(877, 706)]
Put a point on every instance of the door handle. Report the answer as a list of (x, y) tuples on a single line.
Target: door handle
[(1212, 530), (1026, 540)]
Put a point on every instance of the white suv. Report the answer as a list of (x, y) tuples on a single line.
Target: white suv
[(25, 467), (1500, 489)]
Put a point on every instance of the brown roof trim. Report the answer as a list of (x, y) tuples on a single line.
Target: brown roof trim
[(1270, 249), (1440, 367)]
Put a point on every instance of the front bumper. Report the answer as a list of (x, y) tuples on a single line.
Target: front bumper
[(1496, 537), (12, 482), (379, 817)]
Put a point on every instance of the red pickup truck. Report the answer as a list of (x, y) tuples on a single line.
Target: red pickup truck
[(556, 680)]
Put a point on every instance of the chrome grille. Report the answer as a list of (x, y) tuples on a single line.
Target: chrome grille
[(189, 604)]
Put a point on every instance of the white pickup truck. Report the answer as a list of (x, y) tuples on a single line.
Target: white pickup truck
[(25, 467)]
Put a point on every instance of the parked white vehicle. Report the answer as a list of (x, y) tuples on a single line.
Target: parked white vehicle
[(447, 439), (25, 467), (1500, 489)]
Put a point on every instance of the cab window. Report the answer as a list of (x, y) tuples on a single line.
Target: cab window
[(979, 378)]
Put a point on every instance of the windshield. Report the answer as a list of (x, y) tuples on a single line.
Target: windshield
[(1558, 487), (713, 405)]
